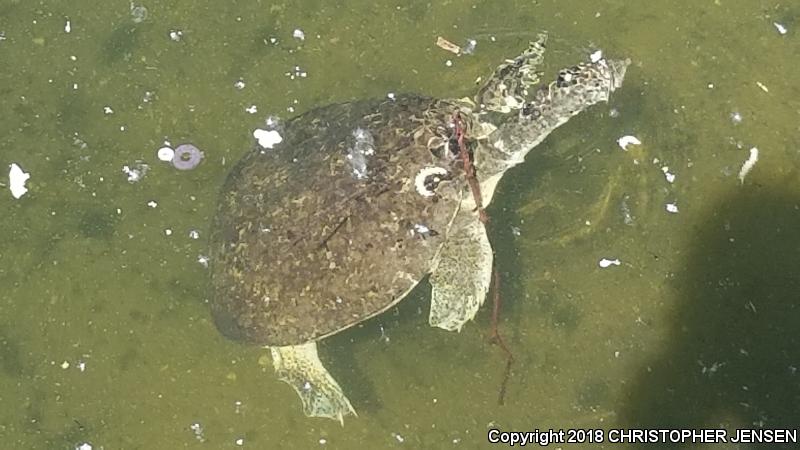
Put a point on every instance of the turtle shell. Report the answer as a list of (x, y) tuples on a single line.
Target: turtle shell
[(336, 223)]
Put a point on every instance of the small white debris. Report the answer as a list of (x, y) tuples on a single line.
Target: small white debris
[(65, 365), (239, 442), (203, 260), (448, 63), (390, 96), (672, 208), (323, 441), (198, 431), (736, 118), (605, 263), (625, 141), (399, 438), (239, 84), (421, 229), (138, 13), (748, 165), (84, 446), (16, 180), (67, 27), (165, 154), (516, 231), (267, 138), (252, 109), (152, 203), (107, 110), (81, 366), (168, 232), (175, 35), (298, 34), (135, 172), (761, 86), (781, 29), (194, 234), (596, 56), (668, 175), (469, 47)]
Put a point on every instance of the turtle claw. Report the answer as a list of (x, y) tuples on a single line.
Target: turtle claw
[(300, 367)]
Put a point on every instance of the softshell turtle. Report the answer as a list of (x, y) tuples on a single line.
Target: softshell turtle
[(362, 200)]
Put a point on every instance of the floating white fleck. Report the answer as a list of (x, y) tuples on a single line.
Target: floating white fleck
[(65, 365), (605, 263), (736, 117), (781, 29), (239, 84), (165, 154), (81, 366), (107, 110), (422, 176), (399, 438), (448, 63), (267, 138), (135, 172), (390, 96), (239, 442), (748, 165), (625, 141), (197, 428), (67, 26), (421, 229), (194, 234), (252, 109), (596, 56), (469, 47), (298, 34), (323, 441), (762, 86), (16, 180), (138, 13), (152, 203), (203, 260), (672, 208), (176, 35), (668, 175), (84, 446), (168, 232)]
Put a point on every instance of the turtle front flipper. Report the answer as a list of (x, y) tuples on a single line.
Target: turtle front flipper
[(507, 88), (463, 273), (299, 365)]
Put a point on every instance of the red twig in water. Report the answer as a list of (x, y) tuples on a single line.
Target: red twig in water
[(469, 169), (494, 333)]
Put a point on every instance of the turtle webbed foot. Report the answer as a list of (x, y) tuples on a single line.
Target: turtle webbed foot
[(300, 367), (462, 277)]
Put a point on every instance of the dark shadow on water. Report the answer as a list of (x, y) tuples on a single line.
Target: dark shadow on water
[(733, 354)]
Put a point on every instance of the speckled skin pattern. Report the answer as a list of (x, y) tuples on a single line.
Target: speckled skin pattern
[(302, 248)]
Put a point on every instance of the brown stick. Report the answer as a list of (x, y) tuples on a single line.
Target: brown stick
[(494, 333), (469, 170), (494, 336)]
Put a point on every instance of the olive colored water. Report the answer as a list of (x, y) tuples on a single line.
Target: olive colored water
[(105, 336)]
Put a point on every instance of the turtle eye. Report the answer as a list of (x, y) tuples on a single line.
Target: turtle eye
[(428, 179)]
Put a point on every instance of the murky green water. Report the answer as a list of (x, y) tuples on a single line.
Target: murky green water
[(105, 336)]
